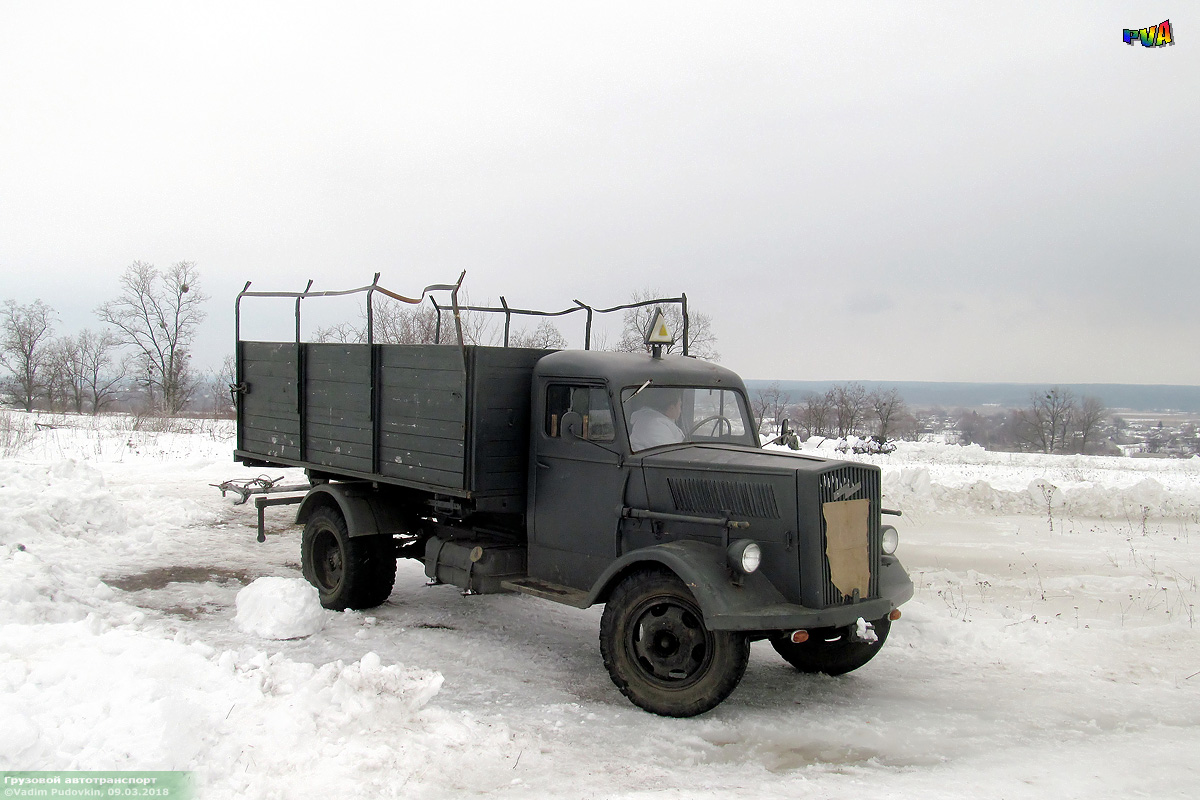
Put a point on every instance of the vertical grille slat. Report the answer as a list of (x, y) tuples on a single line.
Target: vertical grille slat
[(852, 483), (701, 495)]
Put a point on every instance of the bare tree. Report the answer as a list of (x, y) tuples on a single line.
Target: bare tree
[(157, 314), (816, 411), (702, 342), (25, 348), (546, 336), (399, 323), (850, 405), (1046, 424), (65, 388), (889, 409), (341, 333), (1088, 419), (770, 404), (218, 382), (101, 372)]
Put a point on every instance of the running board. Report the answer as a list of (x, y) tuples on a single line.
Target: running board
[(548, 591)]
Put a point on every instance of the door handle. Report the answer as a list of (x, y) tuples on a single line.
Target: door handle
[(541, 465)]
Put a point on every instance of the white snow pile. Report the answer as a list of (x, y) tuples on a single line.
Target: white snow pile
[(926, 476), (86, 696), (280, 608)]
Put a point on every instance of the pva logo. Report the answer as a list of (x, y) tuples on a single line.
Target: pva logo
[(1155, 36)]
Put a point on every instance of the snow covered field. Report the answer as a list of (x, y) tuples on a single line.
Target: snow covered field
[(1051, 649)]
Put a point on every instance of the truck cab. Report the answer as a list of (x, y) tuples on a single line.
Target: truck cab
[(650, 470)]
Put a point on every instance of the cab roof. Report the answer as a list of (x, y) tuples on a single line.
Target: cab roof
[(634, 369)]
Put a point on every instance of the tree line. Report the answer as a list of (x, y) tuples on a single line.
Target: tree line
[(1054, 421), (395, 323), (147, 332), (145, 339), (149, 327)]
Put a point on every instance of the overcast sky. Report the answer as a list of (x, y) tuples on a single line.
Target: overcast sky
[(983, 192)]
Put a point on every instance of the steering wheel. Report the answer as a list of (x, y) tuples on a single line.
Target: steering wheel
[(719, 421)]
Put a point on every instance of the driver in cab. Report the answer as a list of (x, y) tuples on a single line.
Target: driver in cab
[(654, 423)]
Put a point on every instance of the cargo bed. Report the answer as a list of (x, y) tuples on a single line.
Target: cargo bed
[(443, 418)]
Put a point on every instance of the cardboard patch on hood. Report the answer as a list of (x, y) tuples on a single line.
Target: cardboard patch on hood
[(847, 525)]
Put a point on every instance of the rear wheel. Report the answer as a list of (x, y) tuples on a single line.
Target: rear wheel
[(832, 650), (349, 572), (660, 654)]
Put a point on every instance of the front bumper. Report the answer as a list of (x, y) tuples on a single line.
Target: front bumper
[(895, 588)]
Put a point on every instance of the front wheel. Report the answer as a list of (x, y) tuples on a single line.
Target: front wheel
[(660, 654), (349, 572), (832, 650)]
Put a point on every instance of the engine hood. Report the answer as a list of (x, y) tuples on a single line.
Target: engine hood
[(733, 458)]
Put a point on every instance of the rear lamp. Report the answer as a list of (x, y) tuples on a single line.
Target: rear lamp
[(891, 539), (744, 556)]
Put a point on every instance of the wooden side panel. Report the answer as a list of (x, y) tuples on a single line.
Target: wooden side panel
[(337, 414), (423, 414), (436, 426), (500, 437), (269, 411)]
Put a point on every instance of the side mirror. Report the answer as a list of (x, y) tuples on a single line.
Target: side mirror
[(571, 425)]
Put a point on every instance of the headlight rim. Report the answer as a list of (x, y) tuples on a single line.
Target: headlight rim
[(889, 538), (744, 556)]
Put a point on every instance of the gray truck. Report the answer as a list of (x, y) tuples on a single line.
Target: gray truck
[(635, 480)]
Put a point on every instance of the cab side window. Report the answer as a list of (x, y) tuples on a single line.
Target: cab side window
[(590, 402)]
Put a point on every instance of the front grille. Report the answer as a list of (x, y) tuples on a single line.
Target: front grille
[(852, 483), (701, 495)]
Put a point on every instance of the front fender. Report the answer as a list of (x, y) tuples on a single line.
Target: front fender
[(702, 567), (755, 605), (894, 583), (366, 514)]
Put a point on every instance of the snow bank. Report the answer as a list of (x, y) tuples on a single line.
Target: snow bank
[(953, 479), (280, 608), (84, 696)]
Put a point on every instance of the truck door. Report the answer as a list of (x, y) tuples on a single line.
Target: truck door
[(577, 484)]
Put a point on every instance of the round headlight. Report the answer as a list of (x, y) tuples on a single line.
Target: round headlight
[(891, 539), (745, 555)]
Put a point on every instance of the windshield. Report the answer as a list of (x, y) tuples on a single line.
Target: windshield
[(658, 415)]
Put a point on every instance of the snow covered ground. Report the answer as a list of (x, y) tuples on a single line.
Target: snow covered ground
[(1051, 649)]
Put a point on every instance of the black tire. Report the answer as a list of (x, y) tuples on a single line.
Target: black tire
[(830, 650), (660, 654), (349, 572)]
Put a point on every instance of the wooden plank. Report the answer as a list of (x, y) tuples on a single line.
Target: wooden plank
[(393, 455), (275, 444), (433, 477), (270, 384), (332, 454), (257, 370), (272, 423), (418, 408), (431, 428), (319, 354), (337, 419), (275, 410), (407, 440), (340, 372), (448, 380), (422, 356), (269, 351), (323, 431), (356, 400)]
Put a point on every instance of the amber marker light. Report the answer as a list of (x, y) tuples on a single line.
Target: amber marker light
[(895, 615), (799, 637)]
